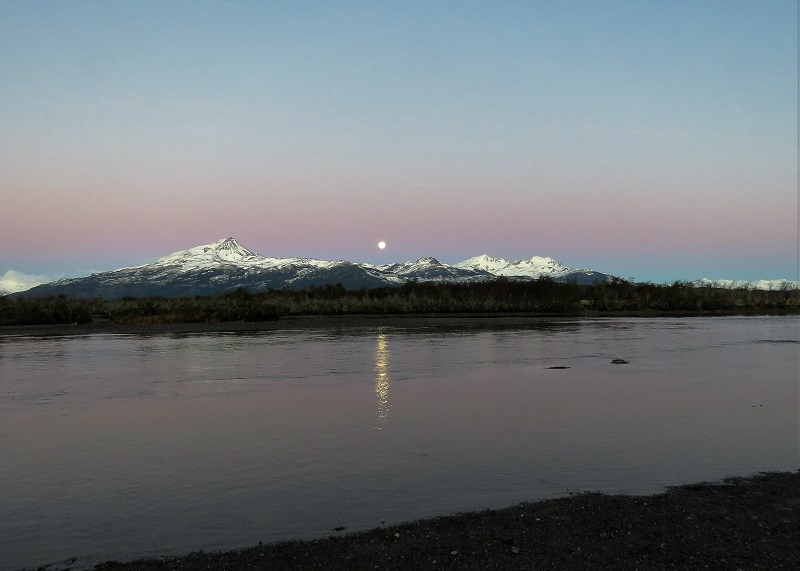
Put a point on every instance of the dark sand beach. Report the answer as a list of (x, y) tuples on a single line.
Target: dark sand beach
[(739, 523)]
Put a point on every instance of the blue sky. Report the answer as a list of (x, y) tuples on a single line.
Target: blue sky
[(654, 140)]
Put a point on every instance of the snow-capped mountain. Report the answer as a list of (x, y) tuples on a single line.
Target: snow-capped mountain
[(227, 265), (769, 285), (532, 268), (432, 270), (501, 267)]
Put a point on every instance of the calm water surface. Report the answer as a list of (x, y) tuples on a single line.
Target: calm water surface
[(117, 446)]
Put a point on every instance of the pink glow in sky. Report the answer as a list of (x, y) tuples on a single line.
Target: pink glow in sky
[(652, 141)]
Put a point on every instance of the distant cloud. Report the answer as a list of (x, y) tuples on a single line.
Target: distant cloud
[(13, 281)]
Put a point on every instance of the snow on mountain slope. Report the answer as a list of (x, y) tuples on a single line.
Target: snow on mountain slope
[(229, 252), (405, 268), (227, 265), (773, 285), (431, 269), (485, 263), (223, 252), (531, 268)]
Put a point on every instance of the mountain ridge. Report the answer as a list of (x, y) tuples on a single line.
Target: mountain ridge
[(227, 265)]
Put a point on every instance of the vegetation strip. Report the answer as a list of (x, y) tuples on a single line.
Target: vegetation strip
[(494, 297)]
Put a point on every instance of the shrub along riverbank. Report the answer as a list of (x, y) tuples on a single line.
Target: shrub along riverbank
[(497, 296)]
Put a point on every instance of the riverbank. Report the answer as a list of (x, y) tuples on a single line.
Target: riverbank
[(440, 320), (740, 523)]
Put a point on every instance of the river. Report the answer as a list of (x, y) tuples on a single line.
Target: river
[(121, 446)]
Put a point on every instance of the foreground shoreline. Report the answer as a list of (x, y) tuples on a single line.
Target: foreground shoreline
[(489, 320), (739, 523)]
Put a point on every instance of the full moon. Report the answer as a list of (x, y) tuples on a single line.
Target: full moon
[(381, 245)]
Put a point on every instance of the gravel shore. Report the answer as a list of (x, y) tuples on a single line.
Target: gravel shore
[(740, 523)]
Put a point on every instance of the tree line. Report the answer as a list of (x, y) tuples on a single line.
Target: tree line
[(501, 295)]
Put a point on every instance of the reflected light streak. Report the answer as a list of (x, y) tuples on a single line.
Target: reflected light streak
[(382, 381)]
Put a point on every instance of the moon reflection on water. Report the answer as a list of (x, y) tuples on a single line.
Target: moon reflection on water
[(382, 381)]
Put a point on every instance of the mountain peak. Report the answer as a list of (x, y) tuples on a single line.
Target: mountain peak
[(428, 261), (484, 262), (227, 242), (226, 250), (229, 248)]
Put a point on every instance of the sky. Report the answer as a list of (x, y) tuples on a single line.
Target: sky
[(654, 140)]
